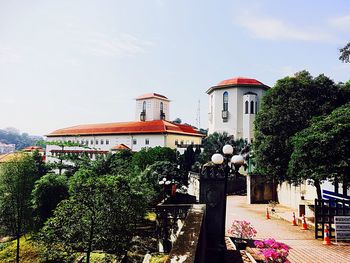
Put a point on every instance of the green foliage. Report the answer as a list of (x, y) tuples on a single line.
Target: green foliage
[(345, 53), (286, 109), (156, 172), (49, 190), (322, 151), (16, 183), (99, 215), (148, 156)]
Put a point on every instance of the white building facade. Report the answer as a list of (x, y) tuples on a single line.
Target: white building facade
[(152, 128), (233, 104)]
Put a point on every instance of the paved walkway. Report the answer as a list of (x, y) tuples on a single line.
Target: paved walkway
[(304, 248)]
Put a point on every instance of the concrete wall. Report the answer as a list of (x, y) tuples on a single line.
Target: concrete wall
[(235, 125)]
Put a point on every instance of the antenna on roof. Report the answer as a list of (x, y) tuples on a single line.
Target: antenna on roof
[(198, 117)]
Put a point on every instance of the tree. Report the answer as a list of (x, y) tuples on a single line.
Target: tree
[(16, 183), (321, 151), (345, 53), (67, 162), (286, 109), (159, 170), (100, 214), (148, 156), (48, 191)]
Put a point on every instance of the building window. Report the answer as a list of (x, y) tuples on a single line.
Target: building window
[(92, 142), (96, 142), (176, 142), (256, 107), (252, 107), (182, 142), (107, 141), (144, 106), (161, 106), (134, 141), (225, 101), (102, 141), (246, 110), (146, 141)]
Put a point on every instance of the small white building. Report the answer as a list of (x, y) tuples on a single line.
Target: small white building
[(233, 104), (151, 128)]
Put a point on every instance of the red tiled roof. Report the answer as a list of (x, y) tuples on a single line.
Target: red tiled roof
[(238, 81), (137, 127), (79, 151), (33, 148), (152, 95), (121, 146)]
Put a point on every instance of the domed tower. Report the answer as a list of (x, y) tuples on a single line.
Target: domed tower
[(152, 106), (233, 104)]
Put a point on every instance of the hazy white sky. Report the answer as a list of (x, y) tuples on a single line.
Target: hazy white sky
[(69, 62)]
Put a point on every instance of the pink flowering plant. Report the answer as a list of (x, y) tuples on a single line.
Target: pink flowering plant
[(273, 251), (242, 229)]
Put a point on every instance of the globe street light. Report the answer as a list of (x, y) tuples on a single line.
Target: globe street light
[(228, 161)]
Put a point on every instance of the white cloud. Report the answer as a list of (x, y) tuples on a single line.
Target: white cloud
[(9, 55), (123, 45), (277, 29), (341, 22)]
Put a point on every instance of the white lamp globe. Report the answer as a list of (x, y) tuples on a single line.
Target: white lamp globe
[(217, 158), (237, 160), (227, 149)]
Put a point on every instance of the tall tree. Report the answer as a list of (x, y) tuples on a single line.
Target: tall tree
[(17, 179), (99, 215), (286, 109), (49, 190), (321, 151)]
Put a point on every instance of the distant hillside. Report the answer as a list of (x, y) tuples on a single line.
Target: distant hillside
[(13, 136)]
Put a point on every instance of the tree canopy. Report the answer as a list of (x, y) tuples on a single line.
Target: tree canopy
[(17, 179), (345, 53), (286, 109), (148, 156), (321, 151)]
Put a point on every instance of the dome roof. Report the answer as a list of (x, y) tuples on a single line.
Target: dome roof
[(238, 82)]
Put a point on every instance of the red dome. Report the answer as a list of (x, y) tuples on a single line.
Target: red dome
[(239, 81)]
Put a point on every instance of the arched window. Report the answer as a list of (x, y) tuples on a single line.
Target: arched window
[(225, 101), (256, 107), (144, 106), (161, 106), (246, 111), (252, 107)]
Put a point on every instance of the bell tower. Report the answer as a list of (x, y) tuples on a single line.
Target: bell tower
[(152, 106)]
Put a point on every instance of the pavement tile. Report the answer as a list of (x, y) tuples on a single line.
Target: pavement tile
[(304, 248)]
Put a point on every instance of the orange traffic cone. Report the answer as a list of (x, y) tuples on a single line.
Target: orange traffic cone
[(267, 213), (326, 240), (294, 222), (304, 225)]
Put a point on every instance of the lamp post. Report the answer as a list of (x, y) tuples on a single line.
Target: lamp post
[(229, 162), (164, 182)]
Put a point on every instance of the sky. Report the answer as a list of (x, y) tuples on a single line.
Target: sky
[(64, 62)]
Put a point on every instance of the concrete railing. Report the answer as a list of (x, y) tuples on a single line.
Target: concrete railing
[(189, 246)]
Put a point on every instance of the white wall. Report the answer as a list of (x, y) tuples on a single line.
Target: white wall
[(152, 109), (234, 125), (154, 140)]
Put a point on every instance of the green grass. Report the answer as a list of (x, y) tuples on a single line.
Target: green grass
[(29, 252)]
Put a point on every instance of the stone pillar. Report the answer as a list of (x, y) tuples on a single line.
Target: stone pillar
[(212, 193)]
